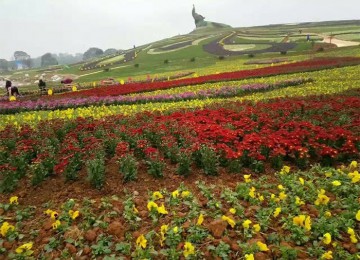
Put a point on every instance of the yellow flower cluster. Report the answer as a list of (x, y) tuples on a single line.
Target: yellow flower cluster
[(322, 198), (303, 221), (5, 228)]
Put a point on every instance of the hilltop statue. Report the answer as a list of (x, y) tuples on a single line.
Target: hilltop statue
[(199, 19), (201, 23)]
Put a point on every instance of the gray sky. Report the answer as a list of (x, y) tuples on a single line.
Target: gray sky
[(40, 26)]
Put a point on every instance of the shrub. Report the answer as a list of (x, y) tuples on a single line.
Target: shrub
[(184, 164), (128, 167), (72, 168), (8, 182), (283, 52), (166, 61), (136, 65), (221, 58), (39, 173), (209, 160), (156, 167), (96, 172), (251, 55), (192, 59), (106, 70)]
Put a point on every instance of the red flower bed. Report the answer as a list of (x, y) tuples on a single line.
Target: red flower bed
[(247, 134), (302, 66)]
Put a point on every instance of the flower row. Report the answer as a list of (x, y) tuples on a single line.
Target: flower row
[(40, 104), (309, 65)]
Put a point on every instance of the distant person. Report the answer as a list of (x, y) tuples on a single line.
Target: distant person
[(42, 85), (66, 81), (11, 90)]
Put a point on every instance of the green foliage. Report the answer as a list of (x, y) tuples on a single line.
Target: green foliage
[(8, 182), (103, 246), (128, 167), (209, 160), (184, 164), (155, 167), (96, 172)]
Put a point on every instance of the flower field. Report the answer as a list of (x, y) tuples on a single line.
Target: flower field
[(256, 164)]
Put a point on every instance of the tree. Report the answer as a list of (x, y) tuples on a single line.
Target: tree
[(92, 53), (4, 65), (48, 60), (110, 51), (22, 60)]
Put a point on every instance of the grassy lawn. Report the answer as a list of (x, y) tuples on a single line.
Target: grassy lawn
[(112, 60)]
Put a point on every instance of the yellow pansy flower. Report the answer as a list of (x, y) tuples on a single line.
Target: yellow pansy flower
[(162, 209), (48, 212), (353, 165), (157, 195), (249, 257), (189, 249), (285, 169), (358, 215), (327, 239), (229, 220), (232, 211), (263, 247), (247, 178), (152, 205), (14, 200), (5, 228), (308, 223), (327, 255), (141, 241), (352, 234), (175, 194), (277, 212), (280, 187), (74, 214), (185, 194), (282, 195), (328, 174), (56, 224), (23, 248), (200, 219), (260, 197), (355, 176), (336, 183), (246, 224), (176, 229), (163, 230), (135, 210), (252, 192), (301, 181), (328, 214), (299, 220), (54, 215), (256, 227), (322, 198), (298, 201)]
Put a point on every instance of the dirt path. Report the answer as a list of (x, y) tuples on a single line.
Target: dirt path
[(338, 42)]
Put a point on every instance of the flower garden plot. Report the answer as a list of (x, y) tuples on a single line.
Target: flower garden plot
[(261, 72), (239, 208), (291, 214), (243, 136), (224, 92)]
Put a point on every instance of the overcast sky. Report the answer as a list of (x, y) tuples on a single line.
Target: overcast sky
[(40, 26)]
